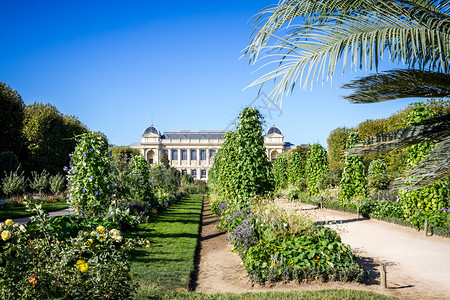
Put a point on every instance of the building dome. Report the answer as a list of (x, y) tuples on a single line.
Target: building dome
[(273, 129), (151, 129)]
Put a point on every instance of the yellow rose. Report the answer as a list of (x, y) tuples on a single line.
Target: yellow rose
[(9, 222), (100, 228), (6, 235), (82, 265)]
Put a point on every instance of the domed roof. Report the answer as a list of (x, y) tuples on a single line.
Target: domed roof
[(274, 129), (151, 129)]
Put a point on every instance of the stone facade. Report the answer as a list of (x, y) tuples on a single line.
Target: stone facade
[(192, 152)]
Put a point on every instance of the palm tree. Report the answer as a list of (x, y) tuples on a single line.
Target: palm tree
[(309, 39)]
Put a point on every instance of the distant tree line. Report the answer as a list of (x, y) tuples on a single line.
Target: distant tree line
[(34, 137)]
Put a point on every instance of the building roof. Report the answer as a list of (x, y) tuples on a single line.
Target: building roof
[(194, 134), (151, 129), (274, 129)]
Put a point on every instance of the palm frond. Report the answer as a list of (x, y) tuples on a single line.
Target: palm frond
[(396, 84), (427, 130), (325, 32), (302, 58), (434, 168)]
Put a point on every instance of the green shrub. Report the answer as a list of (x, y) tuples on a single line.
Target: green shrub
[(39, 182), (377, 177), (186, 179), (37, 263), (280, 171), (427, 202), (296, 169), (57, 183), (353, 181), (316, 169), (8, 162), (336, 146), (13, 183), (141, 190), (89, 177)]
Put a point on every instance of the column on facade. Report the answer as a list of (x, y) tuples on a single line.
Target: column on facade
[(169, 154), (189, 157), (198, 157), (179, 157), (208, 159)]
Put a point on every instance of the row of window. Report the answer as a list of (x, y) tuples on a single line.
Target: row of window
[(184, 154), (194, 173)]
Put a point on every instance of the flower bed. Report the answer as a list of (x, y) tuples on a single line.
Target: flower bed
[(277, 246)]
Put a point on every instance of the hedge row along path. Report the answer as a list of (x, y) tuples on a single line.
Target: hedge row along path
[(417, 266)]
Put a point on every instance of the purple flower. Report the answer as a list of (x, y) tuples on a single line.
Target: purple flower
[(83, 190), (92, 176), (70, 154), (65, 168), (91, 149), (97, 192), (84, 154)]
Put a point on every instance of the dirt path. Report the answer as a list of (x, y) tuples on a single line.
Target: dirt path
[(417, 265)]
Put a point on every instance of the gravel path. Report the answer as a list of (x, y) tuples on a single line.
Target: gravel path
[(25, 220)]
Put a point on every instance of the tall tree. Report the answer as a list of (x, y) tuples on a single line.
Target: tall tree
[(359, 32), (11, 120)]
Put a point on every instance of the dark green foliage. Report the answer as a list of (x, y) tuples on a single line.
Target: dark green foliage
[(353, 181), (11, 120), (377, 177), (89, 178), (141, 191), (253, 169), (316, 169), (428, 202), (165, 160), (187, 179), (280, 171), (336, 146), (296, 169), (8, 162), (241, 168), (119, 151), (50, 137)]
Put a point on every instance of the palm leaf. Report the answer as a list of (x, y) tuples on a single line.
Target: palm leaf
[(397, 84), (434, 168), (322, 33), (427, 130)]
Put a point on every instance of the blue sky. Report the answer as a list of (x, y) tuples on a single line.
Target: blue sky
[(119, 65)]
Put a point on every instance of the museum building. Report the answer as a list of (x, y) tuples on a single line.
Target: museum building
[(192, 152)]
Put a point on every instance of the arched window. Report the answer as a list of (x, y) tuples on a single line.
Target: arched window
[(273, 155), (183, 172), (183, 154), (150, 155), (194, 173), (203, 174)]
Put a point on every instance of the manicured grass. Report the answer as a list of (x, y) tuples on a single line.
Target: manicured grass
[(301, 295), (20, 211), (169, 263)]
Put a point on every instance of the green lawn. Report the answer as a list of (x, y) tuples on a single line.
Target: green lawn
[(300, 295), (169, 263), (20, 211)]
